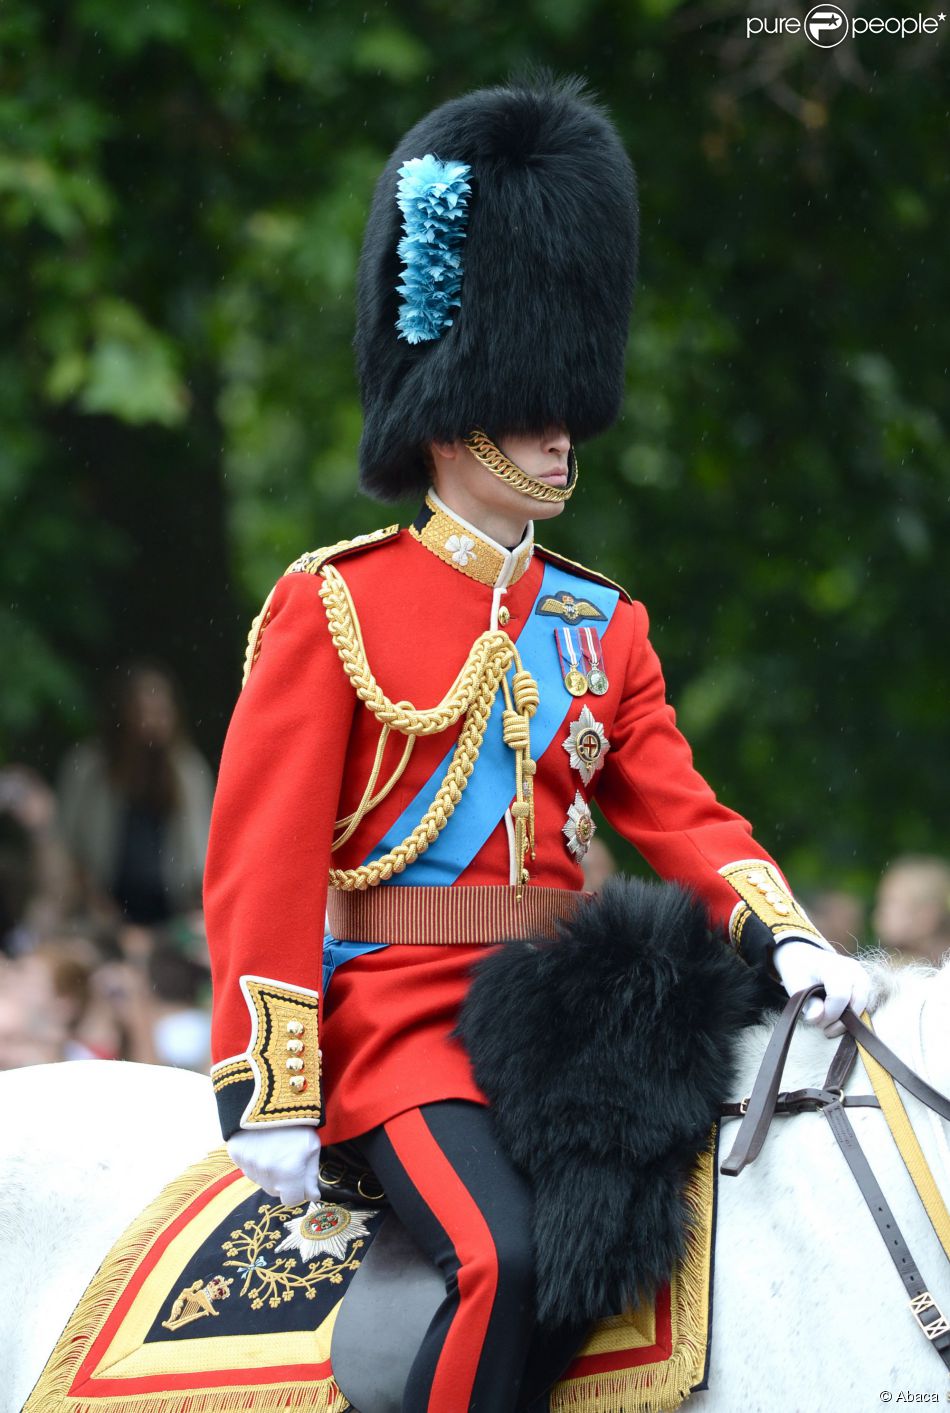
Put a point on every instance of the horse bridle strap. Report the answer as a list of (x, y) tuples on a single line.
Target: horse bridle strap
[(761, 1105), (765, 1100), (924, 1308)]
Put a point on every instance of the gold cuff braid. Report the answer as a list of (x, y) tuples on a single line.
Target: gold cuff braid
[(766, 896), (284, 1055)]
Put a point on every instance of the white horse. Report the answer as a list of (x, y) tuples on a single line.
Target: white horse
[(809, 1315)]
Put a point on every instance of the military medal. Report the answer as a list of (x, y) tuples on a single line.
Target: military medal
[(586, 745), (574, 679), (596, 676), (580, 827)]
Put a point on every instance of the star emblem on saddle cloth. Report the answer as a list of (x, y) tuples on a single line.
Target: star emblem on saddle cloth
[(580, 827), (325, 1229), (586, 744)]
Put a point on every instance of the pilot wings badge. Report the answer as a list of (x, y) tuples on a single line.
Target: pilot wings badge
[(565, 606)]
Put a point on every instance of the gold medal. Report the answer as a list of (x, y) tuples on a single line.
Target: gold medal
[(596, 676), (574, 679)]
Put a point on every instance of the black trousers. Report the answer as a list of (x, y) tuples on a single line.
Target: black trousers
[(469, 1210)]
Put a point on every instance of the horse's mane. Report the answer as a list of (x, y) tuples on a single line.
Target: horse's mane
[(890, 979)]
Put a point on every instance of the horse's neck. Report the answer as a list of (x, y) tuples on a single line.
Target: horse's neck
[(914, 1021), (912, 1016)]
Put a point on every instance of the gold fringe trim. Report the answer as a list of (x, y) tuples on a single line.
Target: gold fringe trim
[(96, 1304), (663, 1386), (253, 1399)]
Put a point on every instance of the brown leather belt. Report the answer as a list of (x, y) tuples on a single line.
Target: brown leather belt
[(430, 915)]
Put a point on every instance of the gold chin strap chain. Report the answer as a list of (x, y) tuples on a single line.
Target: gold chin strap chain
[(484, 450), (473, 692)]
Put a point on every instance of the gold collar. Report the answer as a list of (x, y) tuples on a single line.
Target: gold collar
[(469, 550)]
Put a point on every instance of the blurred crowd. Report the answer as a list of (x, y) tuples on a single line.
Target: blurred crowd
[(102, 946), (908, 919), (103, 952)]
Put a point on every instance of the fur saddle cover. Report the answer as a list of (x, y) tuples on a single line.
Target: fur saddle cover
[(605, 1056)]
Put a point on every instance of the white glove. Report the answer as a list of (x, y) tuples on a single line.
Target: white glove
[(283, 1161), (801, 964)]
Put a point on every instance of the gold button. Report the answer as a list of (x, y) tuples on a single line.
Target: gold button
[(295, 1027), (295, 1047), (503, 615), (294, 1064), (298, 1083)]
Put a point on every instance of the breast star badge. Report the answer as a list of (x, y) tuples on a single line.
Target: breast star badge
[(579, 829), (586, 745)]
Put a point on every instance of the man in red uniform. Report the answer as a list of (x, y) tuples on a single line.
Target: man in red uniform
[(427, 713)]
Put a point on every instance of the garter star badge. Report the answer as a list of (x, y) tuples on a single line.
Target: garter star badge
[(586, 744), (579, 829), (324, 1227)]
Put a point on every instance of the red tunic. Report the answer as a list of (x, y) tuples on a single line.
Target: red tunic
[(296, 758)]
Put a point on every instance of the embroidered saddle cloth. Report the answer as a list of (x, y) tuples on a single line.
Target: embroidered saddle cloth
[(218, 1298)]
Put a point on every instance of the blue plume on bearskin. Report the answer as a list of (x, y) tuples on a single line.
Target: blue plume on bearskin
[(547, 265), (432, 196)]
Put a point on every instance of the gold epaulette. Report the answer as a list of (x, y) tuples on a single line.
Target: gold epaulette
[(582, 570), (311, 562)]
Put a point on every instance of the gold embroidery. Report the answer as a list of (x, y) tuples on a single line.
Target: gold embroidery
[(739, 921), (280, 1012), (463, 548), (566, 606), (196, 1301), (309, 563), (231, 1072), (313, 560), (765, 894), (278, 1279)]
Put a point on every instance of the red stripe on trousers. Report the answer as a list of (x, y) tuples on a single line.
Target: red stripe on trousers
[(454, 1208)]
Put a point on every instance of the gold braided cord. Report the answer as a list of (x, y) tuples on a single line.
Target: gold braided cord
[(484, 450), (369, 801), (403, 716), (473, 693)]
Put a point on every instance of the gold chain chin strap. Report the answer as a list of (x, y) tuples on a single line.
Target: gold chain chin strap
[(484, 450), (473, 692)]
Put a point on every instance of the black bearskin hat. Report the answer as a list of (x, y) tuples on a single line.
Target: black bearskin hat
[(547, 255)]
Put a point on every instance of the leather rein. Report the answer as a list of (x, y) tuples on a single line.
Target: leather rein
[(758, 1109)]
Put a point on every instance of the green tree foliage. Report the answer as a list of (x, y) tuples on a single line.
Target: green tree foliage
[(183, 187)]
